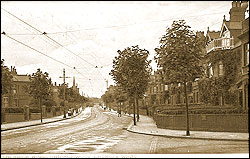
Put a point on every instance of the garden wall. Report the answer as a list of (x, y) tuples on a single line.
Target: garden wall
[(204, 122)]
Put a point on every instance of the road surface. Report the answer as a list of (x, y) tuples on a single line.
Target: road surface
[(96, 131)]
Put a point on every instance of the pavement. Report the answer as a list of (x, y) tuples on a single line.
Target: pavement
[(147, 126), (23, 124)]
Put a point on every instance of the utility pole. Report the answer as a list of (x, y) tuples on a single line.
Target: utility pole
[(64, 113), (107, 83)]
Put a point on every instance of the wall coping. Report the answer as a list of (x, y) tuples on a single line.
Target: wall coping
[(204, 114)]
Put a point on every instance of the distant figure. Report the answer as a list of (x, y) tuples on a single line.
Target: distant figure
[(119, 113)]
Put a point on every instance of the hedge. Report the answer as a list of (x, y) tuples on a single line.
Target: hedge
[(205, 111), (14, 110), (35, 110)]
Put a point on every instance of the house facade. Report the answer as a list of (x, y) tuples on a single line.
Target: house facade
[(21, 96), (233, 37), (225, 41), (243, 80)]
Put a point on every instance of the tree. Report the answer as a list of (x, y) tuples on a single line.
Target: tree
[(40, 87), (6, 79), (108, 98), (120, 97), (131, 71), (179, 57)]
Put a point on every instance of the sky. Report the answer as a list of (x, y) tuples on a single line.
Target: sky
[(83, 36)]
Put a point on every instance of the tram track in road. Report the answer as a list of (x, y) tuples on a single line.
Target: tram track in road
[(47, 127), (98, 123), (153, 145)]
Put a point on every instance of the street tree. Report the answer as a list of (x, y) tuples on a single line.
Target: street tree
[(6, 79), (120, 97), (179, 57), (40, 87), (108, 98), (131, 71)]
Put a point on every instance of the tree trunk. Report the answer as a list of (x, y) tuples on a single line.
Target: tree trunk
[(187, 117), (144, 105), (138, 115), (134, 111), (40, 103), (120, 109), (64, 112)]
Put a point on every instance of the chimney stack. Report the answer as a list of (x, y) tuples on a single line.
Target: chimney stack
[(237, 12)]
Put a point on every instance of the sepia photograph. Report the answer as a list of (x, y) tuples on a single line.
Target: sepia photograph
[(124, 79)]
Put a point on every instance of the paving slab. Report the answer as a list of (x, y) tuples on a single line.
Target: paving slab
[(146, 125)]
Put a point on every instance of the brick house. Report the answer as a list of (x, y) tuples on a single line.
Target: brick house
[(21, 97), (225, 39), (55, 94), (243, 80), (233, 35)]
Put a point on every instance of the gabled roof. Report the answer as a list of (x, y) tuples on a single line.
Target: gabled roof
[(21, 78), (230, 25), (213, 34)]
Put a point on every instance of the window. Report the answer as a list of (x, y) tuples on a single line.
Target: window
[(211, 72), (154, 90), (162, 87), (194, 97), (5, 101), (246, 54), (166, 87), (16, 102), (197, 97), (220, 69)]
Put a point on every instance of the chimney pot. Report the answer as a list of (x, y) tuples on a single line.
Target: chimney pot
[(238, 4), (234, 4)]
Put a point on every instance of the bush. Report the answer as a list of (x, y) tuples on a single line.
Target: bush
[(34, 110), (57, 109), (206, 111), (14, 110), (48, 109)]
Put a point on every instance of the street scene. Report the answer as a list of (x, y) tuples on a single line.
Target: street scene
[(123, 79)]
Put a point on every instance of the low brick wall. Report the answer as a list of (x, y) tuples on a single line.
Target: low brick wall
[(14, 117), (35, 116), (59, 113), (49, 114), (204, 122), (18, 117)]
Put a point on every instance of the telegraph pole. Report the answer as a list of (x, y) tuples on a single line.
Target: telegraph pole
[(107, 84), (64, 113)]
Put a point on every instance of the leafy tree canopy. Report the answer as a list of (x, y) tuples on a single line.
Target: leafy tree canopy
[(40, 86), (179, 53), (6, 79), (131, 70)]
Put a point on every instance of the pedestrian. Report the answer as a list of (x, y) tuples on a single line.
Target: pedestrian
[(119, 112)]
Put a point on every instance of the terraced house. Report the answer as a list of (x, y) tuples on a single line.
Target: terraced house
[(225, 59)]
